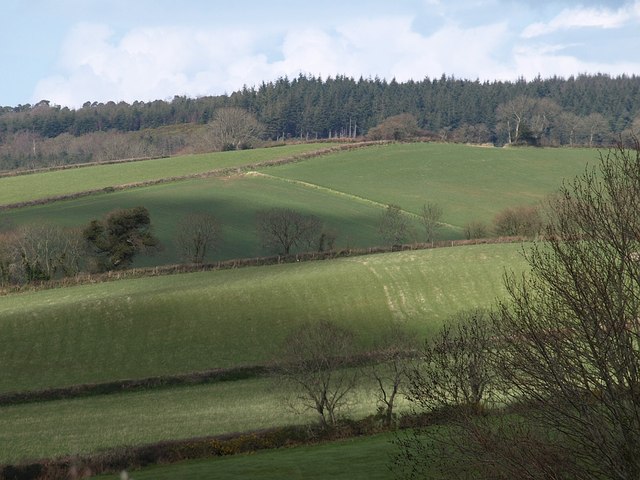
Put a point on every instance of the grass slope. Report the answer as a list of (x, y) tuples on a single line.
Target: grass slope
[(164, 325), (234, 201), (471, 183), (48, 184)]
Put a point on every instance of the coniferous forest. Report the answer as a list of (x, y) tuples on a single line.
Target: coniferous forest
[(587, 110)]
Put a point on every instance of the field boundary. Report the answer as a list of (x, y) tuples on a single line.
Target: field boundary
[(218, 172), (177, 269), (172, 381), (339, 193)]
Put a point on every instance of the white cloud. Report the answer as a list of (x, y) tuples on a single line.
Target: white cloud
[(157, 63), (145, 64), (585, 18), (544, 61)]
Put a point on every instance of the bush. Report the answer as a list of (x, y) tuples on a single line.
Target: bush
[(475, 229), (522, 221)]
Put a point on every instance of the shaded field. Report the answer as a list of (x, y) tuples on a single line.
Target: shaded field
[(146, 327), (49, 184), (364, 458), (233, 200)]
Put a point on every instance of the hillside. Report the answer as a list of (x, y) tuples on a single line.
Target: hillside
[(347, 190), (182, 323)]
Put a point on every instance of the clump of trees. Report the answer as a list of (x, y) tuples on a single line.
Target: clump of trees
[(233, 128), (42, 252), (521, 221), (397, 127)]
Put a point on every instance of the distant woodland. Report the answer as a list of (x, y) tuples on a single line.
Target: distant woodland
[(587, 110)]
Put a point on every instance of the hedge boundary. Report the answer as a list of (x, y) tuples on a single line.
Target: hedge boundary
[(171, 451)]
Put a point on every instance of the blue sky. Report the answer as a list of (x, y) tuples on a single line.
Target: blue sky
[(72, 51)]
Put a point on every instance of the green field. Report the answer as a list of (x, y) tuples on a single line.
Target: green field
[(87, 425), (365, 458), (48, 184), (347, 190), (182, 323), (471, 183)]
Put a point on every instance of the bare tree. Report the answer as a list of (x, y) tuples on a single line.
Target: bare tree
[(430, 217), (234, 128), (394, 226), (313, 360), (594, 128), (453, 376), (8, 258), (565, 347), (454, 368), (198, 235), (475, 229), (282, 229), (390, 369), (570, 331)]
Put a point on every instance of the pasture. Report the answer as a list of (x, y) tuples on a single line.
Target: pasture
[(145, 327), (183, 323), (469, 182)]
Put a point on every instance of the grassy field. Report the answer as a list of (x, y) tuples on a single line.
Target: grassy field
[(87, 425), (182, 323), (365, 458), (42, 185), (471, 183), (347, 190)]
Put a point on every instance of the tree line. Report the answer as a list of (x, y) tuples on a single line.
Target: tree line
[(583, 110), (43, 252)]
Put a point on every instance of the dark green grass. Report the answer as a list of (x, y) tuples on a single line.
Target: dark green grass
[(176, 324), (364, 458), (48, 184), (470, 183)]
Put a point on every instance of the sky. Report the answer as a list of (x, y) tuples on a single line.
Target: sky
[(73, 51)]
